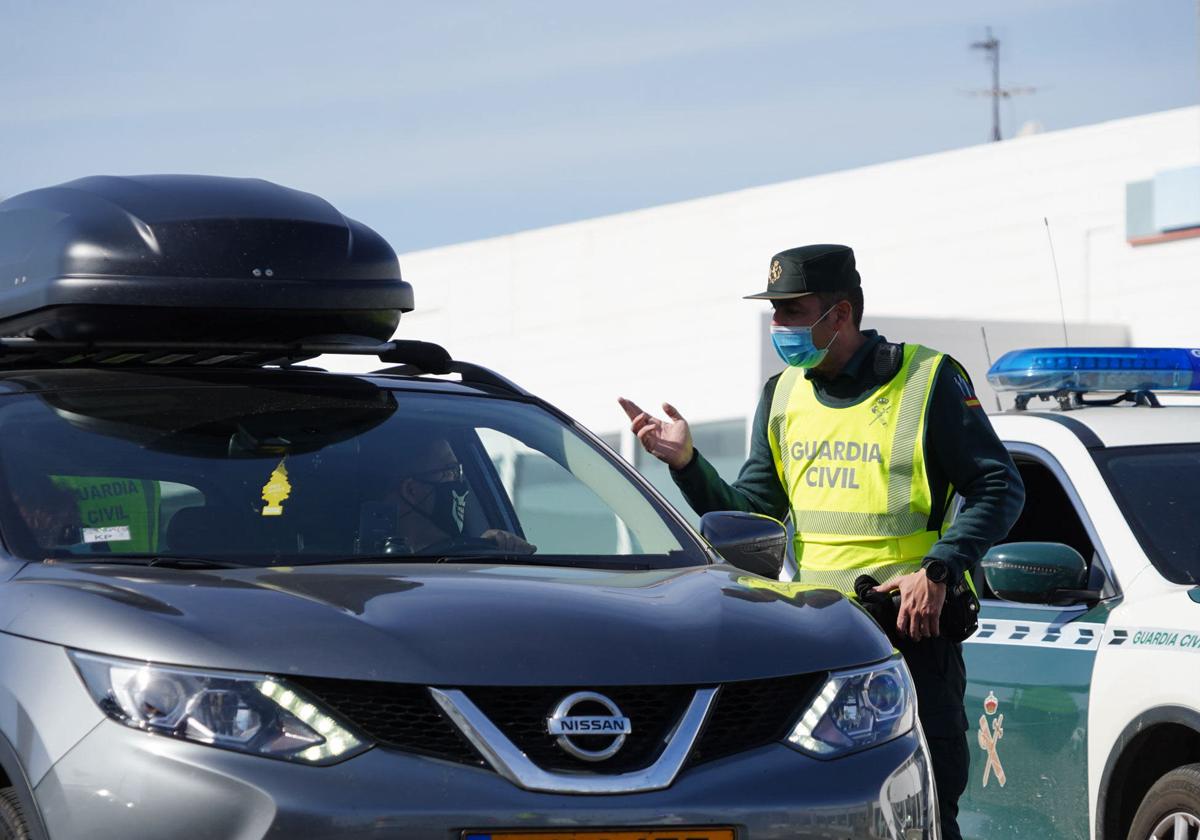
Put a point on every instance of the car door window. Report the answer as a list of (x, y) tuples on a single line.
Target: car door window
[(1050, 515), (557, 512)]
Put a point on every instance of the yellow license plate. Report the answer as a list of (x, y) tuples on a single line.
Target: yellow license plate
[(615, 834)]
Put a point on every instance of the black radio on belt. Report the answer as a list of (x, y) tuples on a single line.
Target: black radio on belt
[(960, 613)]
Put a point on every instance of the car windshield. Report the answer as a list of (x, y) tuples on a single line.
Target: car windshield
[(264, 474), (1158, 489)]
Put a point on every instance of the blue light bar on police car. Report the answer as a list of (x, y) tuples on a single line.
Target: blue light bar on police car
[(1053, 369)]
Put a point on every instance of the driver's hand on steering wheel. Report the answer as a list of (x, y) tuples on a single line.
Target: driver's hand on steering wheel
[(509, 542)]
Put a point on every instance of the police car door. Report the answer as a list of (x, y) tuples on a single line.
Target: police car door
[(1029, 668)]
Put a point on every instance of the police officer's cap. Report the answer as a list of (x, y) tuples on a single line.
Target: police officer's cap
[(811, 268)]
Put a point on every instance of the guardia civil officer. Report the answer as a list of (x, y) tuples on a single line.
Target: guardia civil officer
[(864, 442)]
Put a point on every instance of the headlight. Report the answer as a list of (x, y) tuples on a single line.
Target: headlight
[(250, 714), (857, 709)]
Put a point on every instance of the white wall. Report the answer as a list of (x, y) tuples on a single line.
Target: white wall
[(647, 304)]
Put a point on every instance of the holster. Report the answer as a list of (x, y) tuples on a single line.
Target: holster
[(884, 607), (960, 612)]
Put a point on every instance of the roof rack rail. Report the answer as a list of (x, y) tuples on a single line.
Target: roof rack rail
[(30, 352), (471, 373), (412, 358)]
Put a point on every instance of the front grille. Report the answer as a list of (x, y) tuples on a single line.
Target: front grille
[(753, 713), (400, 716), (521, 714), (397, 715)]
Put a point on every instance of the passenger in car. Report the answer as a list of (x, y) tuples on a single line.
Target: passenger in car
[(48, 511)]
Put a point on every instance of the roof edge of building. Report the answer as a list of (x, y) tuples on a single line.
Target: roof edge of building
[(979, 148)]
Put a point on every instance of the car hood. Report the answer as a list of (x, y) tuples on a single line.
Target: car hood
[(448, 624)]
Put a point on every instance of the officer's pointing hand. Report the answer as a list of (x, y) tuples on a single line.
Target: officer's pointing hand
[(921, 603), (668, 440)]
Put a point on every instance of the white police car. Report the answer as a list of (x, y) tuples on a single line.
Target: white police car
[(1084, 675)]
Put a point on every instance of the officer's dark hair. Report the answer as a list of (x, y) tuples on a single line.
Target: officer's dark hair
[(854, 296)]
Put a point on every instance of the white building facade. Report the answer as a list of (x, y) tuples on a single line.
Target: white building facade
[(648, 305)]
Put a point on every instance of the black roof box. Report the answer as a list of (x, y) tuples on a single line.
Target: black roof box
[(191, 257)]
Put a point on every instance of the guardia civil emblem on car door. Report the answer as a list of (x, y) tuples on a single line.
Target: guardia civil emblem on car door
[(989, 737), (591, 736)]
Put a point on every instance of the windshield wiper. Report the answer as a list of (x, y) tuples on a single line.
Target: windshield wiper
[(499, 558), (166, 561)]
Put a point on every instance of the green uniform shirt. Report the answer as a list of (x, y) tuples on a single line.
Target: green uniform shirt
[(961, 449)]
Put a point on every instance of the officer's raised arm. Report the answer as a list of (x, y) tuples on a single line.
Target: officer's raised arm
[(670, 441)]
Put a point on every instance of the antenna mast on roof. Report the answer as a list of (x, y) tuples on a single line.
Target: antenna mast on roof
[(991, 46)]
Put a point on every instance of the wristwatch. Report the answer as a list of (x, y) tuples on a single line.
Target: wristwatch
[(937, 571)]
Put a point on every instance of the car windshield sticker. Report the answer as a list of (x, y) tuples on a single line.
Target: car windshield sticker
[(116, 533), (275, 491), (1074, 635), (989, 737), (1156, 638)]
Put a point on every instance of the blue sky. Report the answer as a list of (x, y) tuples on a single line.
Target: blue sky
[(440, 122)]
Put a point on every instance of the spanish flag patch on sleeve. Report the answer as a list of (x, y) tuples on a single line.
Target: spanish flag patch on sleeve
[(968, 392)]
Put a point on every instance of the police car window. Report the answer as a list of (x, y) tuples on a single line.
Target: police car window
[(1049, 515), (286, 476), (1158, 490)]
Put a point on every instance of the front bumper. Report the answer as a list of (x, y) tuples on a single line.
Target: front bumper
[(121, 783)]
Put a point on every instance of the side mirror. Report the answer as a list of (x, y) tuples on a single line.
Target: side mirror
[(1037, 573), (752, 542)]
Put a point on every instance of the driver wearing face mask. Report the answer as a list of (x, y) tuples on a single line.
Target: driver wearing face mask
[(432, 499)]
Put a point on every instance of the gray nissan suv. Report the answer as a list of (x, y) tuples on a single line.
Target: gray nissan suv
[(244, 597)]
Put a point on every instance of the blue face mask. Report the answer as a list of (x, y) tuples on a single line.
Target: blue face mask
[(795, 344)]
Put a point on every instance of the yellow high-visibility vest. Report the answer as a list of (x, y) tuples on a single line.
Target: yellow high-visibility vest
[(122, 512), (855, 476)]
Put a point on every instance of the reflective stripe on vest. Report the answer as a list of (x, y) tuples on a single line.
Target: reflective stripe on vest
[(855, 476)]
